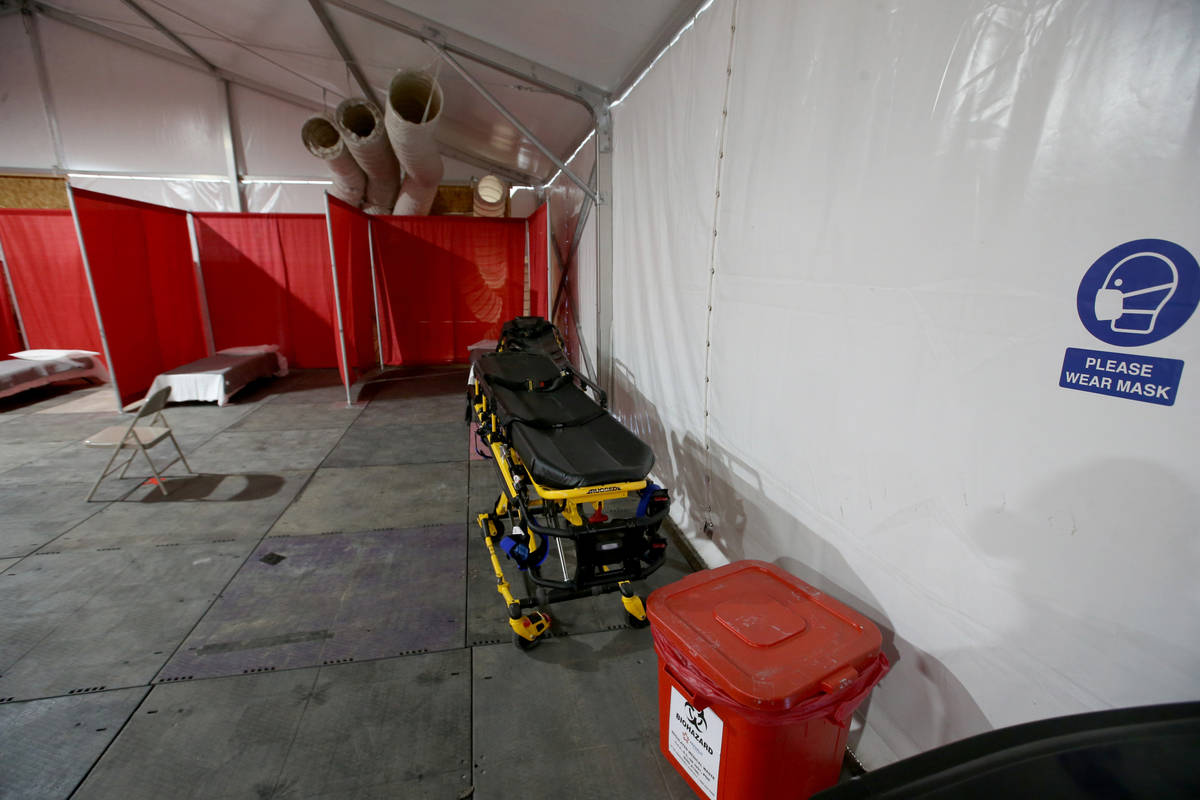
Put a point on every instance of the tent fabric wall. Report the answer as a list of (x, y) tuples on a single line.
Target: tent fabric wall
[(446, 283), (267, 280), (539, 266), (350, 231), (42, 252), (24, 137), (898, 249), (140, 260)]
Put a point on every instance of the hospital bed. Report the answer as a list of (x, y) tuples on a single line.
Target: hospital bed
[(31, 368), (573, 480), (217, 378)]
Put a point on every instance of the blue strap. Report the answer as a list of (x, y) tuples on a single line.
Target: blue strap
[(646, 494)]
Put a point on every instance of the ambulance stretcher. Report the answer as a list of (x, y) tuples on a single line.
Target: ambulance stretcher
[(573, 479)]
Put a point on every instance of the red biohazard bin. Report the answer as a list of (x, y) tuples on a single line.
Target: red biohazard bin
[(758, 674)]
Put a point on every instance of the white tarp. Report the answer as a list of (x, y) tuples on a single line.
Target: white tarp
[(910, 195), (121, 110), (24, 135)]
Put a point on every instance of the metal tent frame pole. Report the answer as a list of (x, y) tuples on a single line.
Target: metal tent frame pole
[(87, 271), (375, 291), (337, 300), (604, 254), (194, 241), (508, 115)]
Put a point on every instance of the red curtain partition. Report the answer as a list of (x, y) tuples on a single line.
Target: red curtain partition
[(446, 283), (141, 265), (267, 280), (10, 332), (50, 285), (539, 268), (350, 229)]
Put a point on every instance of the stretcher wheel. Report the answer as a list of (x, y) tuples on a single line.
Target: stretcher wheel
[(634, 622), (521, 643)]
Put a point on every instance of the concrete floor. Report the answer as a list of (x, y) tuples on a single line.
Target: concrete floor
[(312, 616)]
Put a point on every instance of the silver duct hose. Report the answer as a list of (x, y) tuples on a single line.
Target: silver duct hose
[(414, 105), (490, 196), (361, 124), (322, 139)]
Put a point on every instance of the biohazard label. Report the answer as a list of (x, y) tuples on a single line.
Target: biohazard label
[(694, 740)]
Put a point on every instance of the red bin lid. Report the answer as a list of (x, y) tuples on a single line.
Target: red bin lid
[(762, 635)]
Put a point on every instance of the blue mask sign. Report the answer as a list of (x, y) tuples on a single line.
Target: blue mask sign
[(1137, 293)]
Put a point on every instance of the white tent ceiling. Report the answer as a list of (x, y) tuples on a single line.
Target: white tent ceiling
[(550, 63)]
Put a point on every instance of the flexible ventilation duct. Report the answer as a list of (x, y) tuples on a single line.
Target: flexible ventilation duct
[(490, 196), (361, 124), (322, 139), (414, 105)]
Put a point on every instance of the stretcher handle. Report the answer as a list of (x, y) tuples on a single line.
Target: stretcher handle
[(601, 395)]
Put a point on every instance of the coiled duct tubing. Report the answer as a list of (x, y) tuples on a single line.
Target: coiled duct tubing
[(413, 109), (361, 124), (490, 196), (322, 139)]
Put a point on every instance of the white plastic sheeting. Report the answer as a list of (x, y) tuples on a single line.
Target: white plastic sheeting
[(132, 112), (184, 193), (24, 135), (899, 239), (268, 137)]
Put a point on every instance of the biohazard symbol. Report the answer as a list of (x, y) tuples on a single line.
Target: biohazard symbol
[(696, 718)]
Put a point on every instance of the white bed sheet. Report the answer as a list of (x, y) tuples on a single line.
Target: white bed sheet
[(217, 378)]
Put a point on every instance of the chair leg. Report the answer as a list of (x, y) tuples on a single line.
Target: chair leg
[(104, 473), (125, 468), (161, 484), (181, 457)]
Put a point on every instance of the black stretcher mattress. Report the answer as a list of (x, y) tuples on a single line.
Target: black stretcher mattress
[(597, 452), (532, 335), (563, 437)]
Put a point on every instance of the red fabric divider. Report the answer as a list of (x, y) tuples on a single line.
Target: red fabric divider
[(446, 283), (539, 267), (141, 264), (350, 229), (10, 331), (267, 280), (48, 279)]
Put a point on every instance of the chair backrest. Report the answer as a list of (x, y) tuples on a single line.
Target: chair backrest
[(154, 403)]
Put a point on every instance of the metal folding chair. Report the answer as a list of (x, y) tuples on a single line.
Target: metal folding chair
[(138, 438)]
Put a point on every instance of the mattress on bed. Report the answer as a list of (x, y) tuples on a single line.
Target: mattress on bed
[(19, 374), (216, 378)]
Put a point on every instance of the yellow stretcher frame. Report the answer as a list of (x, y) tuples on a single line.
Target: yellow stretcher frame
[(528, 628)]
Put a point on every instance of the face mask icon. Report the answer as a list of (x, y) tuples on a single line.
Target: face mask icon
[(1135, 291)]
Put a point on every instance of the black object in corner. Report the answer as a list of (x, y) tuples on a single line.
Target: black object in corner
[(1127, 754)]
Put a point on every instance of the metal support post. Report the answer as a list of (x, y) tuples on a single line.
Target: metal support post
[(604, 251), (375, 291), (231, 156), (87, 271), (195, 243), (337, 300)]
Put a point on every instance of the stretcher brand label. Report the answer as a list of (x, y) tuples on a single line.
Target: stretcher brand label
[(694, 741), (600, 489)]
